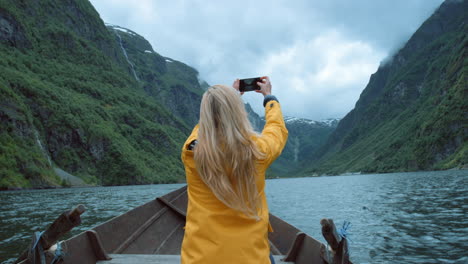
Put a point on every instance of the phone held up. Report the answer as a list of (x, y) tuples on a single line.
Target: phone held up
[(250, 84)]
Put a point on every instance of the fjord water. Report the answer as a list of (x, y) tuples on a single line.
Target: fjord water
[(395, 218)]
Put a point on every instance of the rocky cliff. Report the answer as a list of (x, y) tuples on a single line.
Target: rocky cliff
[(171, 83), (82, 98), (412, 115)]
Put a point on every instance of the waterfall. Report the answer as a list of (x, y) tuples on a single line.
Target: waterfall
[(126, 56), (44, 151), (296, 149)]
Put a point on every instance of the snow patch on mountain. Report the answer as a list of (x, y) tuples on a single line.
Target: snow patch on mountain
[(324, 122), (331, 121), (115, 27)]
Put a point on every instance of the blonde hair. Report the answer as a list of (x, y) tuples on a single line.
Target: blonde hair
[(225, 154)]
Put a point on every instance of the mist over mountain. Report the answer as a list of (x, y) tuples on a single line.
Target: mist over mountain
[(412, 115)]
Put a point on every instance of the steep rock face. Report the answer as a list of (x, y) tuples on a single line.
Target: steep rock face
[(22, 161), (183, 92), (171, 83), (447, 18), (410, 115), (256, 121), (68, 26), (11, 31), (70, 100)]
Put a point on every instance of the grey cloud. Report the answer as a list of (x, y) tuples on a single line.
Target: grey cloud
[(385, 24), (298, 43)]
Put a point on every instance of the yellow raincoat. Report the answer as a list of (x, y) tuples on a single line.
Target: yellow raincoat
[(215, 233)]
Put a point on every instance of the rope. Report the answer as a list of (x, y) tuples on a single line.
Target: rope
[(37, 247), (344, 234), (327, 250), (59, 254), (38, 237), (343, 231)]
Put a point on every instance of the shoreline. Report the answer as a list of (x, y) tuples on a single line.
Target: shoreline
[(19, 189)]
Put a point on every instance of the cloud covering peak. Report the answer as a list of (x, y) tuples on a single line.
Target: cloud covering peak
[(319, 54)]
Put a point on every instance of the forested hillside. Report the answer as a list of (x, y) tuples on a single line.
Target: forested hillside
[(74, 95)]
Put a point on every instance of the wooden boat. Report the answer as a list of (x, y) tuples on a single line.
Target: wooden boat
[(153, 233)]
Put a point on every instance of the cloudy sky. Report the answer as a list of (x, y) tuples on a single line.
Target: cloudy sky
[(319, 54)]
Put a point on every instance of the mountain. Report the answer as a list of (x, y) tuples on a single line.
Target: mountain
[(83, 103), (79, 98), (256, 121), (412, 115), (171, 83), (305, 138)]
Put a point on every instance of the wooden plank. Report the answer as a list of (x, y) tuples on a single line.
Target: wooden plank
[(311, 252), (141, 259), (119, 230), (140, 231), (172, 245), (283, 234), (156, 235), (156, 259)]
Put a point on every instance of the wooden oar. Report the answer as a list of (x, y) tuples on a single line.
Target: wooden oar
[(338, 243), (62, 225)]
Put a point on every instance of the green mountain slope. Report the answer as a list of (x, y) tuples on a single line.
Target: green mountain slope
[(413, 113), (69, 99), (171, 83)]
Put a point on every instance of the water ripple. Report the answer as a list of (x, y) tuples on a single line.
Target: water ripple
[(396, 218)]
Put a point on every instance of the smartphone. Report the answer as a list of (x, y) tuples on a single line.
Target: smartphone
[(247, 85)]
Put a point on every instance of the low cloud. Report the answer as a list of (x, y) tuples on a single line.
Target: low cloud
[(319, 54), (321, 77)]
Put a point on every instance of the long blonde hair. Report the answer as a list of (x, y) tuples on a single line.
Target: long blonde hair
[(225, 154)]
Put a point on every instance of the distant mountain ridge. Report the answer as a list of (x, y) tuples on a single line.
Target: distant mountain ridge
[(412, 115), (332, 122), (305, 138)]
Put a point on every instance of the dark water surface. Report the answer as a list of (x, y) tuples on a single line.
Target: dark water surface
[(395, 218)]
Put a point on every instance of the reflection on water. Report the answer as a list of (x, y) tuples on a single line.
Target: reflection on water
[(396, 218)]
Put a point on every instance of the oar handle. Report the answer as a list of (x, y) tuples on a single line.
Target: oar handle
[(62, 225)]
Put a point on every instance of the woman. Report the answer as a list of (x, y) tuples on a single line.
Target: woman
[(225, 163)]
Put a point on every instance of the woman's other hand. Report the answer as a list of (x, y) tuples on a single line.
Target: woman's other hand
[(265, 86), (235, 84)]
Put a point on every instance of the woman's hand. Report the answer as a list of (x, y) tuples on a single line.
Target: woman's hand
[(235, 84), (265, 86)]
